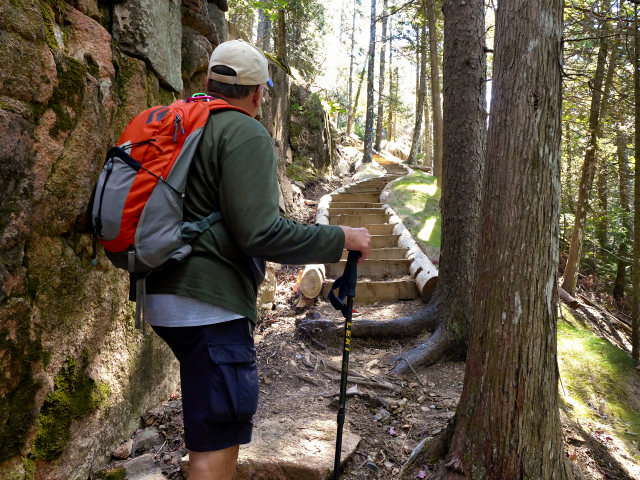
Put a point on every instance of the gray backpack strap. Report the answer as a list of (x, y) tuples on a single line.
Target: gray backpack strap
[(190, 230)]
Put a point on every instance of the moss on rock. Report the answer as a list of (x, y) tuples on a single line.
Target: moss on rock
[(74, 396), (20, 353), (68, 93)]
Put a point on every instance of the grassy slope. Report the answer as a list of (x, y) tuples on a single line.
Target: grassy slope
[(415, 199)]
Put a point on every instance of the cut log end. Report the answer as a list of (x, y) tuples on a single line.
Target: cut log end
[(311, 280), (568, 299), (426, 282)]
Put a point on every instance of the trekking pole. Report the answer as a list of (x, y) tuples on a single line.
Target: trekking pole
[(346, 286)]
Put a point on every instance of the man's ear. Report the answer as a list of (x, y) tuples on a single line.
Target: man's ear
[(257, 95)]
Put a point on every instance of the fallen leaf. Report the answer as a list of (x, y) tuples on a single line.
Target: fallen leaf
[(353, 390), (422, 474), (392, 432), (573, 457)]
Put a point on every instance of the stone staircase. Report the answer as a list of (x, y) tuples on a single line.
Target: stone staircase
[(388, 274)]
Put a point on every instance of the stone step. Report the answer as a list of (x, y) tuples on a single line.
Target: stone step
[(355, 197), (384, 241), (357, 220), (369, 292), (376, 269), (393, 253), (355, 211)]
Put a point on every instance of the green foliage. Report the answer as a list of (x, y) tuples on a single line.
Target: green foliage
[(313, 110), (115, 474), (415, 199), (74, 396)]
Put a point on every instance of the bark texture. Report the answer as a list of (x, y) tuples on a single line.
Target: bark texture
[(570, 276), (508, 424), (368, 129)]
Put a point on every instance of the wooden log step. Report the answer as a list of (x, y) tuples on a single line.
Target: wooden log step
[(355, 197), (383, 254), (368, 293), (355, 205), (364, 189), (384, 241), (375, 269), (357, 220), (355, 211), (379, 229)]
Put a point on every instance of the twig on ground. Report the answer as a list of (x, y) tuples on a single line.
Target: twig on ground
[(160, 451), (313, 340), (411, 367), (309, 380), (414, 455), (351, 379)]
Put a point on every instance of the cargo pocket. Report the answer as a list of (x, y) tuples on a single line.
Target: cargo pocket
[(235, 388)]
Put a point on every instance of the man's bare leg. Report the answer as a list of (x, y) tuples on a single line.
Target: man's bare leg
[(217, 465)]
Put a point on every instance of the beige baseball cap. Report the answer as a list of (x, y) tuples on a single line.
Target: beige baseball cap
[(249, 62)]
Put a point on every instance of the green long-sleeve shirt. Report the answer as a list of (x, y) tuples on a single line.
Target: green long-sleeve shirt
[(234, 171)]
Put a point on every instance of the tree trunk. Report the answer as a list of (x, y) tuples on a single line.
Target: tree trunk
[(570, 277), (392, 102), (625, 204), (635, 315), (282, 38), (351, 112), (354, 109), (368, 129), (435, 91), (422, 67), (602, 223), (508, 423), (427, 130), (383, 44)]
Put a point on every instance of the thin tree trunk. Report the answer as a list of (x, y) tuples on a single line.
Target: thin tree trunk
[(635, 315), (282, 38), (624, 188), (368, 129), (570, 277), (422, 65), (354, 109), (602, 223), (383, 44), (391, 97), (351, 112), (427, 129), (435, 91), (507, 424)]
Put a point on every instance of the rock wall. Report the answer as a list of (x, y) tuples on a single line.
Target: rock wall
[(74, 374)]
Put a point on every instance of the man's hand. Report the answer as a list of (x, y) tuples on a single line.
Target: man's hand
[(357, 239)]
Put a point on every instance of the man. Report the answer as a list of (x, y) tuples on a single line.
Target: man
[(205, 307)]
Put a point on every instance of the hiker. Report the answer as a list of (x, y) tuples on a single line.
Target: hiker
[(205, 307)]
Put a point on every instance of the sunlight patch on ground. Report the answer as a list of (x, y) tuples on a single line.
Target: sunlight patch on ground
[(425, 233), (428, 189)]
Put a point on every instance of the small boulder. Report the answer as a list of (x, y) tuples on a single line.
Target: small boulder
[(145, 441), (124, 450)]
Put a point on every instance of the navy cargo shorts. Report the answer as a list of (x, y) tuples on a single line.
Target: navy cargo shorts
[(219, 380)]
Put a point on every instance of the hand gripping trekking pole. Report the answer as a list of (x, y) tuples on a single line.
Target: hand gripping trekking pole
[(346, 286)]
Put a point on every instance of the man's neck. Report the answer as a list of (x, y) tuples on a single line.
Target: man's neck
[(243, 103)]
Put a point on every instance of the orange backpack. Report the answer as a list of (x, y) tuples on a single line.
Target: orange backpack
[(137, 206)]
